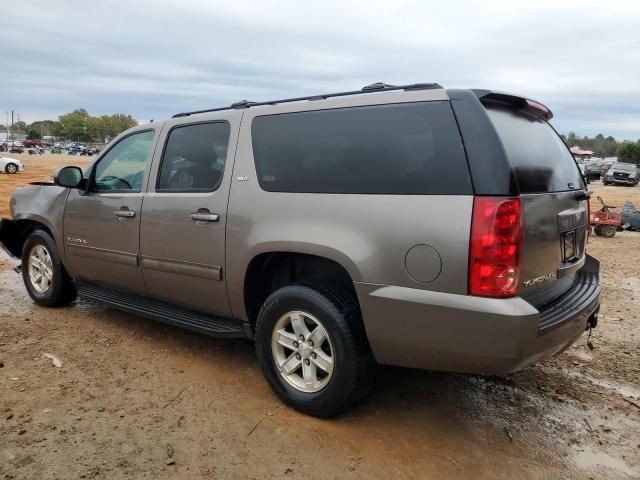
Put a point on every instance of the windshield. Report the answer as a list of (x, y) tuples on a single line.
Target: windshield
[(627, 167)]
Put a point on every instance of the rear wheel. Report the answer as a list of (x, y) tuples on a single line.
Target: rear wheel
[(312, 349), (608, 231), (598, 230), (11, 168), (45, 278)]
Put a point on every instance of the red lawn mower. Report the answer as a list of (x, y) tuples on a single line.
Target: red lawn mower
[(604, 222)]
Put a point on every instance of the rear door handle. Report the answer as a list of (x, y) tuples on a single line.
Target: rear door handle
[(205, 217), (124, 213)]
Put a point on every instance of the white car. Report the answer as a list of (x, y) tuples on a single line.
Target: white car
[(10, 165)]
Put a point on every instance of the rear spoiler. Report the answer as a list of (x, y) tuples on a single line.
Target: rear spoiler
[(530, 106)]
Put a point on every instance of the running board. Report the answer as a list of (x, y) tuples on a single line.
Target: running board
[(166, 312)]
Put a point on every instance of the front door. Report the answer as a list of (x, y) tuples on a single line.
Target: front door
[(102, 225), (182, 236)]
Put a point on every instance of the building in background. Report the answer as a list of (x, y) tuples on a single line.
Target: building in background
[(580, 154)]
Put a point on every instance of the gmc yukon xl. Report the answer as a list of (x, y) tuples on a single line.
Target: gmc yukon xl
[(404, 225)]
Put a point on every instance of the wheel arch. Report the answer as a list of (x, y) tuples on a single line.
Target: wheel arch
[(267, 271), (18, 230)]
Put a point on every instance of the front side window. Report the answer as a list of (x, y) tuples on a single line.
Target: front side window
[(122, 167), (194, 158)]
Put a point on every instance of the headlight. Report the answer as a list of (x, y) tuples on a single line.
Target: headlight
[(609, 174)]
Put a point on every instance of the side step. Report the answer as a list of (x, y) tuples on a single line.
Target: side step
[(166, 312)]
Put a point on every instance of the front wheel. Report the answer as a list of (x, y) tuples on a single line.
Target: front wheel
[(11, 168), (45, 278), (313, 350)]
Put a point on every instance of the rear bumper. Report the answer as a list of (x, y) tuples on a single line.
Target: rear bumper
[(440, 331)]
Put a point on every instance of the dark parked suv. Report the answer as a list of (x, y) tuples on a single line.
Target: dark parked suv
[(413, 226), (622, 174)]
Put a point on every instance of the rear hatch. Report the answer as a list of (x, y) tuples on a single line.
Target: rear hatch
[(552, 190)]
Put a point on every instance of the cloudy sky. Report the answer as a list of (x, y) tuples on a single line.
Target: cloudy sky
[(155, 58)]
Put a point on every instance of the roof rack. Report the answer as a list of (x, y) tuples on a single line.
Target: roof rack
[(374, 87)]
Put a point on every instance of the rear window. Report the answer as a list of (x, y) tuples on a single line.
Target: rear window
[(540, 159), (391, 149)]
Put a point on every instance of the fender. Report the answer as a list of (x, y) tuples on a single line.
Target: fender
[(42, 204)]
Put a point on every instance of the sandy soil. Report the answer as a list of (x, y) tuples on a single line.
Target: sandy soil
[(137, 399)]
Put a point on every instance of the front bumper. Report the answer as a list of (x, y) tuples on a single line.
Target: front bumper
[(441, 331), (622, 181)]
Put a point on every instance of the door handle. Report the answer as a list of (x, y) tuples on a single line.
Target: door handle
[(124, 213), (205, 217)]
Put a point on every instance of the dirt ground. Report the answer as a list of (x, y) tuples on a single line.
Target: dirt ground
[(138, 399)]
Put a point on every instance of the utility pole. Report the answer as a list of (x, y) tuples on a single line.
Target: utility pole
[(11, 123)]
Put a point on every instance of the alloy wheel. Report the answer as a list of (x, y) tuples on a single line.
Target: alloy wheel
[(40, 269), (302, 351)]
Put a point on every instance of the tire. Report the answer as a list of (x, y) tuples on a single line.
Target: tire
[(58, 290), (11, 168), (608, 231), (352, 366), (598, 230)]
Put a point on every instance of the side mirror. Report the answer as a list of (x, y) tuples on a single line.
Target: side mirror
[(69, 177)]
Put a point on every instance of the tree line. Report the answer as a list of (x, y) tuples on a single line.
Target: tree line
[(603, 147), (76, 126)]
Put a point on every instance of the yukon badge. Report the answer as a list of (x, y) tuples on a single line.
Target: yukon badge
[(76, 241), (538, 280)]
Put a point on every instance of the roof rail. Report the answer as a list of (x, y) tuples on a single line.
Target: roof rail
[(373, 88)]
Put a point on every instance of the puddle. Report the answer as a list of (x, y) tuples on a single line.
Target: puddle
[(590, 460), (624, 390)]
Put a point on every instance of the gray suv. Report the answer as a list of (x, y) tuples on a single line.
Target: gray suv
[(622, 173), (404, 225)]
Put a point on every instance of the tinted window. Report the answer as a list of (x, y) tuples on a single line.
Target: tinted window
[(194, 158), (122, 167), (539, 157), (392, 149)]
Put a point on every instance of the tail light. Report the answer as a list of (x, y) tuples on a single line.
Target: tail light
[(495, 247)]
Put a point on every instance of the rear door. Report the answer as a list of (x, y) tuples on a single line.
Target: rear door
[(554, 206), (182, 236)]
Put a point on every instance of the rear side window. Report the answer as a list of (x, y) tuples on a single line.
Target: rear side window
[(540, 160), (391, 149), (194, 158)]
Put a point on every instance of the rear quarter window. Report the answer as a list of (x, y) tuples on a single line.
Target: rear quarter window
[(390, 149), (540, 160)]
